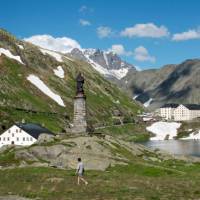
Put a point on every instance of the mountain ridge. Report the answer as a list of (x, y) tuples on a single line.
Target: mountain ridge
[(175, 83), (104, 99), (107, 63)]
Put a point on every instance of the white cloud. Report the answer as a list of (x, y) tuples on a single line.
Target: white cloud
[(104, 31), (141, 54), (83, 8), (188, 35), (119, 50), (61, 44), (84, 22), (145, 30)]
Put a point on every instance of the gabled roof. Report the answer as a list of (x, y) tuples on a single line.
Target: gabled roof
[(33, 129), (170, 105), (192, 106)]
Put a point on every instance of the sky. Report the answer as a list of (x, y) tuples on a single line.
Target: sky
[(146, 33)]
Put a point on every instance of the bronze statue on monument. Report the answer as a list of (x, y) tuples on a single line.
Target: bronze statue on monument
[(79, 84)]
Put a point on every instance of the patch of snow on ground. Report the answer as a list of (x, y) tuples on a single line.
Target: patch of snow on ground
[(41, 86), (147, 103), (162, 129), (59, 72), (20, 46), (135, 97), (193, 136), (146, 119), (105, 58), (119, 73), (57, 56), (10, 55)]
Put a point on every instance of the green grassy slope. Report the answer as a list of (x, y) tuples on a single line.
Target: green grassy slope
[(17, 92), (170, 180)]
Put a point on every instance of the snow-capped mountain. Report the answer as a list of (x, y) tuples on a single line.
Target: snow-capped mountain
[(107, 63)]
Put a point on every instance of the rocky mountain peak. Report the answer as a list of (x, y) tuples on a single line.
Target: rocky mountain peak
[(106, 62)]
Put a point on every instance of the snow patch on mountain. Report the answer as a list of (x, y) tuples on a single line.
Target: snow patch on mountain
[(119, 73), (88, 52), (59, 72), (193, 136), (105, 58), (96, 66), (147, 103), (10, 55), (163, 130), (135, 97), (45, 89), (20, 46), (57, 56)]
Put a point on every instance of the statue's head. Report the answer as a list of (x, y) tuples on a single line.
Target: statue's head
[(80, 77)]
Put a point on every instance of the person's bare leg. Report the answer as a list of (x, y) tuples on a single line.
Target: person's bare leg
[(78, 182), (82, 179)]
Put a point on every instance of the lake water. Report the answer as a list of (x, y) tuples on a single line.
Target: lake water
[(177, 147)]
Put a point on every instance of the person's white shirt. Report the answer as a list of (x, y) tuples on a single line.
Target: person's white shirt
[(80, 168)]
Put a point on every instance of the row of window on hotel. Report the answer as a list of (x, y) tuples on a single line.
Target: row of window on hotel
[(17, 130), (23, 139)]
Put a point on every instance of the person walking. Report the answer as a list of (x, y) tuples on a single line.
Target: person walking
[(80, 172)]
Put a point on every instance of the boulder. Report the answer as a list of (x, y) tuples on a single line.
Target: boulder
[(45, 138)]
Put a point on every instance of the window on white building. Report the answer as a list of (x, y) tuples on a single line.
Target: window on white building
[(27, 139), (17, 139), (4, 139), (13, 135), (23, 138), (16, 130), (8, 139), (31, 139)]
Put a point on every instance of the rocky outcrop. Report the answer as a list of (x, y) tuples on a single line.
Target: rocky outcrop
[(97, 153), (107, 60)]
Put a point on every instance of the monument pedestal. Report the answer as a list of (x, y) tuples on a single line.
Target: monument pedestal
[(79, 122)]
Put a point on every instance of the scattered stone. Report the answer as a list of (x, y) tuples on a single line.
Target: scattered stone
[(55, 180)]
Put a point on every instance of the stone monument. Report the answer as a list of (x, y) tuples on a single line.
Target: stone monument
[(79, 122)]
